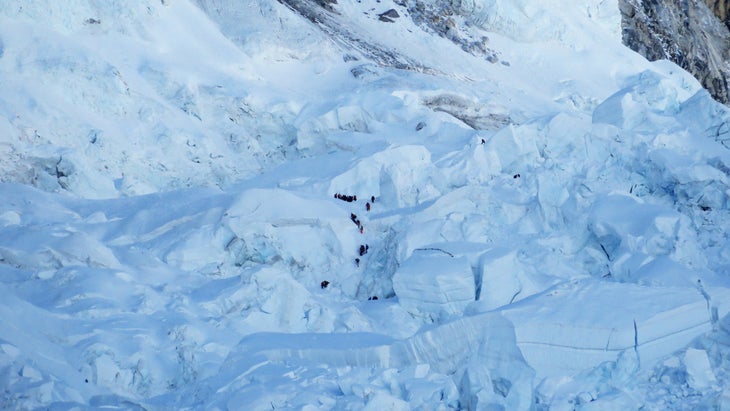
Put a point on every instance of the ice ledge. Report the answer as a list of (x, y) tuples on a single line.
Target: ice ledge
[(576, 326), (568, 329)]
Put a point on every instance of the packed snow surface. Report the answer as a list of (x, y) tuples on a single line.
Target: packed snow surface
[(258, 205)]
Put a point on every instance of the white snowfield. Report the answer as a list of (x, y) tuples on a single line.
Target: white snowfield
[(541, 219)]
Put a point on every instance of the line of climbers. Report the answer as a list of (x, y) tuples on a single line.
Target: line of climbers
[(348, 198), (364, 248)]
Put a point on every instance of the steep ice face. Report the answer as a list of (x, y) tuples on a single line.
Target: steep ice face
[(386, 173), (544, 21), (435, 285)]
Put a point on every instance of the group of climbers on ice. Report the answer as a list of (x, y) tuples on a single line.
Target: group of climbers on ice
[(364, 248)]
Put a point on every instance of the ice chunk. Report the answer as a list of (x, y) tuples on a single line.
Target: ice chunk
[(629, 232), (725, 399), (31, 373), (9, 217), (107, 370), (399, 176), (276, 225), (446, 348), (497, 376), (578, 325), (202, 250), (699, 369), (474, 164), (649, 94), (9, 349), (512, 144), (381, 401), (336, 349), (480, 350), (504, 279), (434, 284)]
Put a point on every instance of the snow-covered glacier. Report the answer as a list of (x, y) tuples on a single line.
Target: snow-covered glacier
[(356, 205)]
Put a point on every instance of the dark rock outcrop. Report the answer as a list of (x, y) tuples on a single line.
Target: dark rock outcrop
[(439, 18), (685, 32), (325, 16), (327, 4), (388, 16)]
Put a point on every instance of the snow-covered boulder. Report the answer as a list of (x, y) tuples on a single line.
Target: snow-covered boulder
[(434, 284)]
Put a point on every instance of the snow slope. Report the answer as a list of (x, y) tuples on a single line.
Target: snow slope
[(549, 227)]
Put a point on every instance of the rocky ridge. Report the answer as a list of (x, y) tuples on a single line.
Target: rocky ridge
[(685, 32)]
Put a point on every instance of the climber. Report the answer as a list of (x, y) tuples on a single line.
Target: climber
[(324, 284)]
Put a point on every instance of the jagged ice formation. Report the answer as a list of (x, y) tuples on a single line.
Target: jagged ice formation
[(541, 218)]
